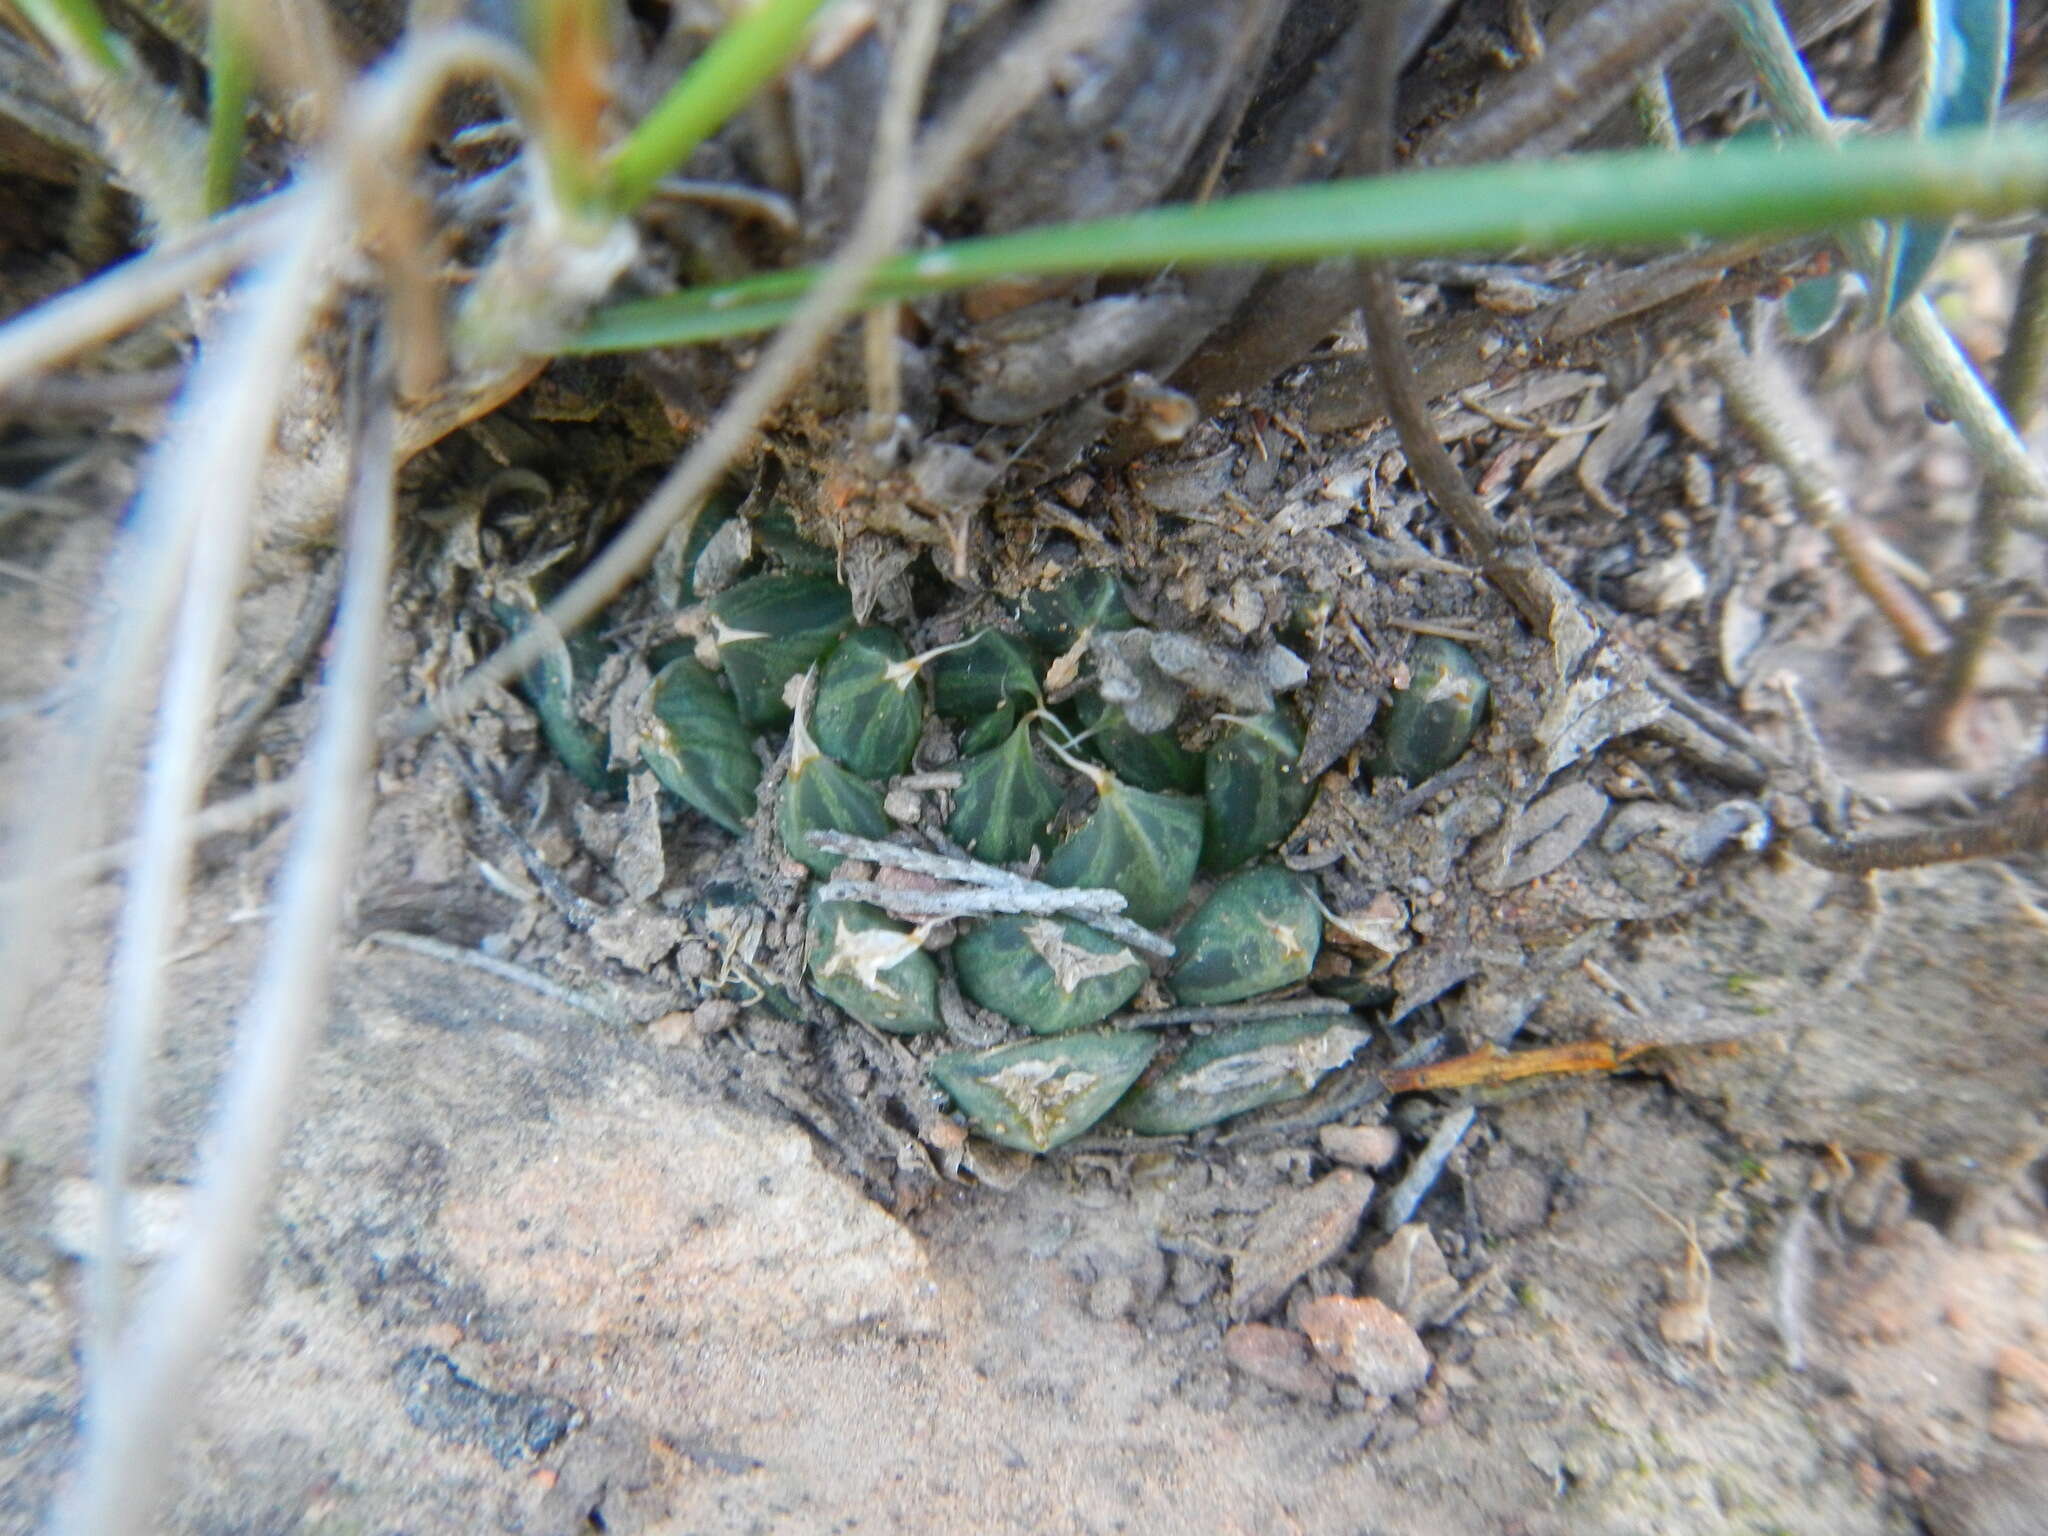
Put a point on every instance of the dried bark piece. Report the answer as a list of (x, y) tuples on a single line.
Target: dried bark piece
[(1303, 1228)]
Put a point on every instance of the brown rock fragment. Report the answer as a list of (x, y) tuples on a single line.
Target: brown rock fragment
[(1301, 1229), (1360, 1146), (1280, 1358), (2019, 1400), (1365, 1339)]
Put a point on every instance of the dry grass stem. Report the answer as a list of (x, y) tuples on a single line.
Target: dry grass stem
[(133, 1408)]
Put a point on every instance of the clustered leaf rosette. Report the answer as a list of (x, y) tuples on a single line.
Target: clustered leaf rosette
[(1153, 820)]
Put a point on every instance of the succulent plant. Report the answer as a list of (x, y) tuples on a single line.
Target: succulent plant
[(1252, 790), (1259, 931), (1142, 844), (697, 747), (820, 795), (1006, 801), (556, 685), (985, 687), (869, 710), (1049, 974), (858, 718), (1239, 1069), (1155, 760), (874, 968), (1432, 721), (1040, 1094), (1087, 602), (770, 629)]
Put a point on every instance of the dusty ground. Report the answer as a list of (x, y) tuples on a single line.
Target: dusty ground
[(538, 1273)]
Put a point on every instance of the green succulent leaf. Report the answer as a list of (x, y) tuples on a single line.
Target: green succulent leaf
[(1242, 1068), (992, 672), (1967, 43), (555, 685), (1089, 601), (1154, 760), (1049, 974), (1252, 790), (697, 747), (776, 536), (1137, 842), (772, 628), (818, 795), (1811, 306), (1006, 801), (874, 968), (869, 710), (1040, 1094), (1257, 932), (1432, 721)]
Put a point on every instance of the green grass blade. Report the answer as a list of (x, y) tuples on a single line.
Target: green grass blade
[(230, 72), (1629, 198), (746, 56), (74, 27)]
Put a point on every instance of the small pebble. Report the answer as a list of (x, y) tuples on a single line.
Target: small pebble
[(1280, 1358), (1409, 1274), (1111, 1298), (1360, 1146), (1365, 1339)]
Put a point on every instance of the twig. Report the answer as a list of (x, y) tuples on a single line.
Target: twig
[(2018, 825), (886, 222), (1234, 1013), (133, 1405), (1750, 393), (504, 970), (1427, 1168), (315, 612), (1512, 566), (1583, 72), (909, 66), (576, 910), (1099, 909), (960, 901), (2020, 370), (941, 866)]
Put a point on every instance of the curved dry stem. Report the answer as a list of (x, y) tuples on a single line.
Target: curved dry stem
[(885, 224), (132, 1413), (204, 484)]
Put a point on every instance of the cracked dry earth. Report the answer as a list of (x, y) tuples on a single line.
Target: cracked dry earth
[(531, 1273)]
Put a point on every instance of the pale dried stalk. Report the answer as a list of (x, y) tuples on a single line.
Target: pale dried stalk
[(124, 295), (1755, 399), (202, 494), (133, 1415)]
